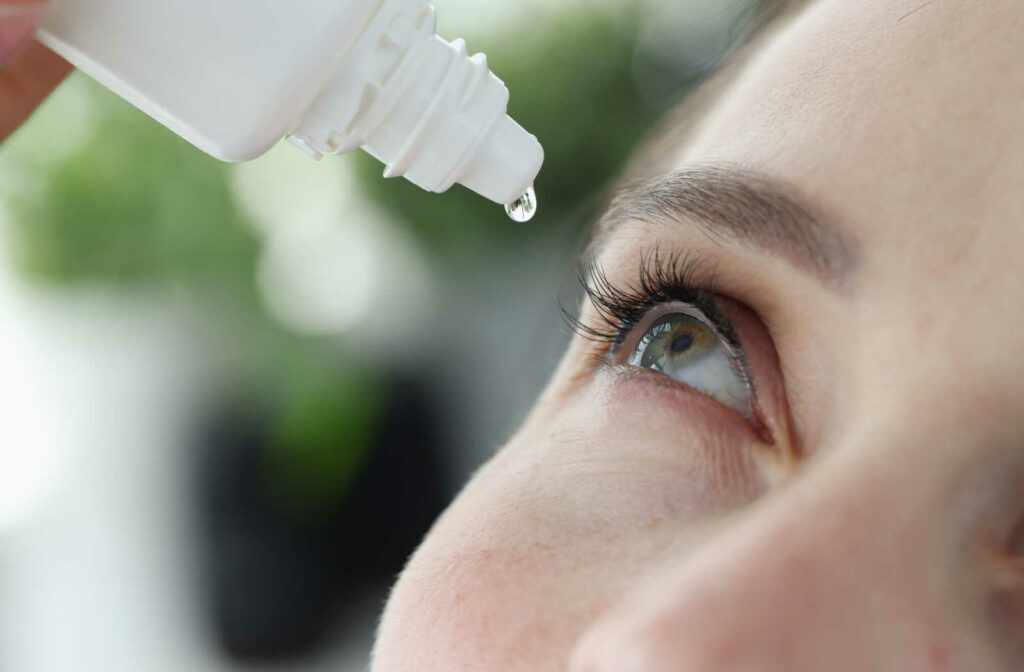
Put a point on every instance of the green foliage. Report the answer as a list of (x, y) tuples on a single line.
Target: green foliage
[(320, 438), (133, 205), (136, 208)]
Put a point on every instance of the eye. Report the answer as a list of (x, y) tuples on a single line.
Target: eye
[(680, 342)]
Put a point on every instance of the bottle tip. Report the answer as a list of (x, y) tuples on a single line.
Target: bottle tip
[(506, 163)]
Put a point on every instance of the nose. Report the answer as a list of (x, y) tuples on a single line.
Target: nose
[(850, 567)]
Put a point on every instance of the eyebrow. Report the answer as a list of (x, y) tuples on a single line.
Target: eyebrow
[(732, 204)]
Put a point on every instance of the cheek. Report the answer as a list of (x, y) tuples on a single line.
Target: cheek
[(552, 533), (635, 452)]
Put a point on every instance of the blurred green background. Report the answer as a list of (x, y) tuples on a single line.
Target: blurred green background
[(316, 297)]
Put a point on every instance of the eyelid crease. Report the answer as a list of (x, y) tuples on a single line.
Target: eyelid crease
[(729, 202)]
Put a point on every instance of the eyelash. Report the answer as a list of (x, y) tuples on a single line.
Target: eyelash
[(660, 279)]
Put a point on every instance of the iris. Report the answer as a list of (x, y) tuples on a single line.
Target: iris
[(686, 348)]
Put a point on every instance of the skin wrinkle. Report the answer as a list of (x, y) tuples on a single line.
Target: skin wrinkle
[(916, 10), (727, 202)]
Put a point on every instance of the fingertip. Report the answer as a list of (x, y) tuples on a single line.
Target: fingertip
[(18, 22), (25, 83)]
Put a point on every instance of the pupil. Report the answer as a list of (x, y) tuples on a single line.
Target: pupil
[(681, 343)]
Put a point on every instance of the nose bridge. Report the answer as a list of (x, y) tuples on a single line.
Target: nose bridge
[(829, 573)]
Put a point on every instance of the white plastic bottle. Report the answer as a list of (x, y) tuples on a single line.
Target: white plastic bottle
[(233, 77)]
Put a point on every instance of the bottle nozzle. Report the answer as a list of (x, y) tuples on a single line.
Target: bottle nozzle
[(505, 163), (434, 114)]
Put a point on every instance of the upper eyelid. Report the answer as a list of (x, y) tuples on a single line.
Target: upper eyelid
[(659, 311), (726, 201), (683, 275)]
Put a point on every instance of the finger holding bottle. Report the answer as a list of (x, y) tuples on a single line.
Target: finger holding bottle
[(28, 70), (18, 21)]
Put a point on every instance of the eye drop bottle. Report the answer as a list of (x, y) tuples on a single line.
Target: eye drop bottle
[(233, 77)]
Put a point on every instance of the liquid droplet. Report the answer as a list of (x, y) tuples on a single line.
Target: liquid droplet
[(523, 208)]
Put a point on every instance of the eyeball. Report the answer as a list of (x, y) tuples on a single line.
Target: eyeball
[(688, 349)]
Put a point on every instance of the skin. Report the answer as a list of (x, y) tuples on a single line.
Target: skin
[(633, 525), (29, 71)]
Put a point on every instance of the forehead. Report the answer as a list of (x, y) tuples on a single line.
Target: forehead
[(904, 118)]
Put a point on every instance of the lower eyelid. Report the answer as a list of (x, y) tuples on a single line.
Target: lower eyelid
[(680, 398)]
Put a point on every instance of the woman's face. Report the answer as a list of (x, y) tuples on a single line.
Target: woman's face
[(791, 436)]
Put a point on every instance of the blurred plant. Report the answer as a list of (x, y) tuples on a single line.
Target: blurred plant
[(131, 205), (304, 471)]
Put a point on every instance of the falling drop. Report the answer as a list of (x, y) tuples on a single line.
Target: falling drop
[(523, 208)]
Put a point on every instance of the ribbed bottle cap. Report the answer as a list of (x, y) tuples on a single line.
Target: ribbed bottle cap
[(424, 107)]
